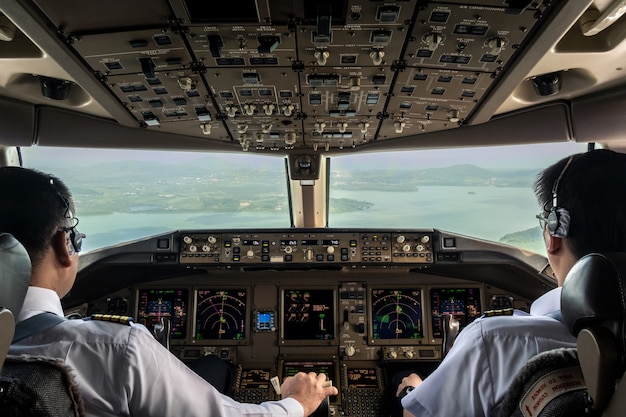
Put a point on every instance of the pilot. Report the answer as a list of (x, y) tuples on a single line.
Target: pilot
[(584, 200), (120, 368)]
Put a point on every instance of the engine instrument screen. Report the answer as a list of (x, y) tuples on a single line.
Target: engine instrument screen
[(462, 303), (154, 304), (221, 314), (308, 314), (397, 314)]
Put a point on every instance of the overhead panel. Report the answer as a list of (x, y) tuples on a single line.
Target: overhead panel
[(428, 99), (348, 71), (312, 75), (138, 51), (468, 37), (249, 70)]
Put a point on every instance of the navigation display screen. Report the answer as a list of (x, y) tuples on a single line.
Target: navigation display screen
[(397, 314), (155, 304), (221, 314), (462, 303), (308, 314)]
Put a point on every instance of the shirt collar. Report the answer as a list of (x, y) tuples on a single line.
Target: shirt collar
[(39, 300), (547, 303)]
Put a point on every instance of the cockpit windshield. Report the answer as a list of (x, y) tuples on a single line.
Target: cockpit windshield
[(123, 195)]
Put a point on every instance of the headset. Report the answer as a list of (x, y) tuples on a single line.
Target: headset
[(75, 238), (559, 218)]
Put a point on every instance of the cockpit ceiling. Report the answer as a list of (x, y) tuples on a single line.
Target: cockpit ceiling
[(291, 75)]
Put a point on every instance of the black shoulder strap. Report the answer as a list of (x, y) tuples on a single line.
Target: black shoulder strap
[(35, 324)]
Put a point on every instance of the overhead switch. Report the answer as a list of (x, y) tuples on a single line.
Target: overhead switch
[(496, 45), (433, 40), (322, 35), (147, 67), (380, 37), (321, 56), (388, 14), (251, 78), (267, 44), (215, 45), (377, 56)]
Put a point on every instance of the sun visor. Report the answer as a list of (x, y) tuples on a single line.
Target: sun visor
[(17, 119)]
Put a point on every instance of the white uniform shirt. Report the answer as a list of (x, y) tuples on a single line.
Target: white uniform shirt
[(122, 370), (475, 375)]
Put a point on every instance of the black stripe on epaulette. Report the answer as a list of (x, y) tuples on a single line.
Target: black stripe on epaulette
[(113, 318), (500, 312)]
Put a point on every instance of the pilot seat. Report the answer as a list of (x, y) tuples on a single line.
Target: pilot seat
[(29, 385), (589, 380)]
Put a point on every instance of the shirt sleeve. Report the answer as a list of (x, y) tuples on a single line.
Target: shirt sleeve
[(475, 375), (156, 383), (457, 386)]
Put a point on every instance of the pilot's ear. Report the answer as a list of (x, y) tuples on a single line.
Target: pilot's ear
[(61, 250), (553, 243)]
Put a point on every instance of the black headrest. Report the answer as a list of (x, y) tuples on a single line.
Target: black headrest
[(594, 294), (15, 271)]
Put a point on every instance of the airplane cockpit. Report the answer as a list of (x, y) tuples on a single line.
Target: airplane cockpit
[(357, 305), (305, 83)]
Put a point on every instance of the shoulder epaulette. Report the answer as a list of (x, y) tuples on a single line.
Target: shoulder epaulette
[(114, 318), (500, 312)]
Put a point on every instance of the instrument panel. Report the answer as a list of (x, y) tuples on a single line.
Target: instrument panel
[(352, 331), (358, 305), (309, 316)]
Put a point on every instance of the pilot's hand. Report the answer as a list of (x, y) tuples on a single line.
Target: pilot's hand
[(308, 389), (412, 380)]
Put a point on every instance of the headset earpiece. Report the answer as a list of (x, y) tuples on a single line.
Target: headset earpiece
[(553, 221), (75, 237), (559, 218)]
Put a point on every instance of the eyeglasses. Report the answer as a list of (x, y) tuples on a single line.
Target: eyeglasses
[(543, 221)]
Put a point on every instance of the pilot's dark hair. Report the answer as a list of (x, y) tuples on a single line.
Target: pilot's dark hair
[(593, 190), (33, 206)]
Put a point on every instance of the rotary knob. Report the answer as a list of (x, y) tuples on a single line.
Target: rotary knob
[(211, 239), (330, 249), (409, 354), (187, 239), (350, 350), (393, 354), (250, 254)]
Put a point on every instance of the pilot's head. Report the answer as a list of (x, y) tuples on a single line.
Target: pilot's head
[(37, 209), (583, 200)]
